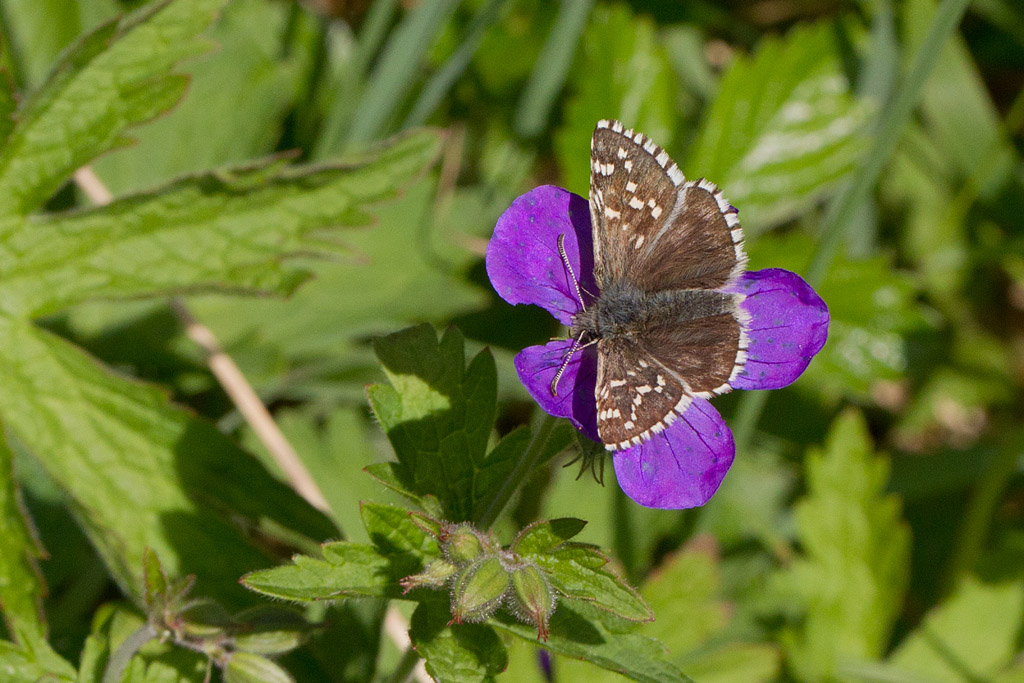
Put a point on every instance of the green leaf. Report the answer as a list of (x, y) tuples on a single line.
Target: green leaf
[(873, 308), (335, 451), (621, 73), (783, 129), (21, 583), (328, 319), (850, 582), (601, 639), (37, 32), (512, 460), (683, 593), (735, 663), (244, 667), (114, 78), (347, 570), (269, 630), (238, 96), (457, 653), (221, 230), (393, 530), (969, 637), (8, 104), (32, 663), (437, 413), (139, 472), (577, 572), (155, 662), (545, 536)]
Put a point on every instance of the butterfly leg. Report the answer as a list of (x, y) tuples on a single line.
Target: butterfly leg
[(576, 346)]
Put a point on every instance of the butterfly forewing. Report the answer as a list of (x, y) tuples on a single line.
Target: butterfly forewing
[(631, 195), (636, 396), (653, 227)]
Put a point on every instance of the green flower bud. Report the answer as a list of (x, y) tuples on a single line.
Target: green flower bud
[(479, 590), (461, 544), (533, 597), (435, 575)]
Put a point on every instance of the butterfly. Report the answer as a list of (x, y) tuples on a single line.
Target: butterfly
[(666, 250)]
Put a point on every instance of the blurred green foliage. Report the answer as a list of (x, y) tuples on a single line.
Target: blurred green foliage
[(872, 528)]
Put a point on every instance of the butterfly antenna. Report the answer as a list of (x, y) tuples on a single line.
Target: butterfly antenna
[(568, 267)]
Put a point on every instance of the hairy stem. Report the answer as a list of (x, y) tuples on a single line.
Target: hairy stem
[(519, 472), (124, 653)]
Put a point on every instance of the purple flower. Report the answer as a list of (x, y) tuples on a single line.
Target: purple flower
[(683, 465)]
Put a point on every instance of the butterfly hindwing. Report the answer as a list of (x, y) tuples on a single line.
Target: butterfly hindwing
[(636, 395), (706, 352)]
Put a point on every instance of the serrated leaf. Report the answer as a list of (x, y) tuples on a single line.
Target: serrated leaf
[(622, 72), (460, 653), (220, 230), (392, 530), (850, 582), (21, 583), (437, 413), (545, 536), (115, 77), (237, 98), (347, 570), (139, 472), (577, 572), (783, 128), (331, 316), (599, 638), (969, 637)]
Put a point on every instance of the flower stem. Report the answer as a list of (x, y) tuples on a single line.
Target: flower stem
[(892, 121), (519, 472), (977, 519), (124, 653)]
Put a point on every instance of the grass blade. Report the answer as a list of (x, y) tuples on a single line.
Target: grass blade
[(552, 67), (441, 82)]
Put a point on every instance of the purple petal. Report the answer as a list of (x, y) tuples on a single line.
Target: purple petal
[(523, 262), (683, 466), (788, 325), (537, 366)]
